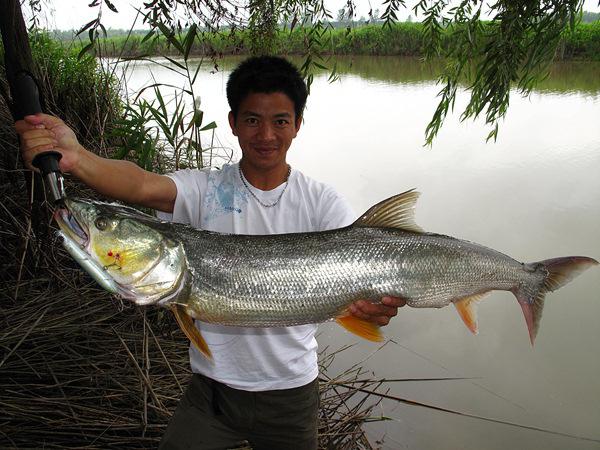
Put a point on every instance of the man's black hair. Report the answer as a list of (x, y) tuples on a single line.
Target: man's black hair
[(265, 75)]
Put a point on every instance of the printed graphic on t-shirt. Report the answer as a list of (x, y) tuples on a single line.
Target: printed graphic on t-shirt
[(223, 198)]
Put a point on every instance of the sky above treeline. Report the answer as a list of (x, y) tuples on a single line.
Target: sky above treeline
[(72, 14)]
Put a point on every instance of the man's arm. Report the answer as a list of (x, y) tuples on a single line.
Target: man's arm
[(117, 179)]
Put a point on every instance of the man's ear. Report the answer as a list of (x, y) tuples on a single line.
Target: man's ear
[(231, 118), (298, 123)]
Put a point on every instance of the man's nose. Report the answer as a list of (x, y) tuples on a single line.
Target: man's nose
[(266, 131)]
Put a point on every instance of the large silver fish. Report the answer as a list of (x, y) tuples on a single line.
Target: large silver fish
[(292, 279)]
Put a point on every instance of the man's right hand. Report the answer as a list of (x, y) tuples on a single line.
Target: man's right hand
[(41, 133), (117, 179)]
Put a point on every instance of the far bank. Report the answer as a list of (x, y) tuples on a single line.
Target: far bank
[(400, 39)]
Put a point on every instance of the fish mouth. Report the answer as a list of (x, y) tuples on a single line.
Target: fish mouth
[(69, 225)]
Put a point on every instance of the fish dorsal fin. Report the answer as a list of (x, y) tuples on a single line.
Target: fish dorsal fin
[(395, 212), (186, 323)]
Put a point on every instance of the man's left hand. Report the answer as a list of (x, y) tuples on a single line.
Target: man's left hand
[(378, 313)]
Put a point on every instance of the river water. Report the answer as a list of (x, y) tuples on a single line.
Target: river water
[(533, 194)]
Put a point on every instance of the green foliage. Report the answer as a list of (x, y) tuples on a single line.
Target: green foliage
[(76, 89), (160, 135), (396, 39), (513, 51), (137, 143), (400, 39), (582, 42)]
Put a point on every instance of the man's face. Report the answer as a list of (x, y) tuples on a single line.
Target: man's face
[(265, 126)]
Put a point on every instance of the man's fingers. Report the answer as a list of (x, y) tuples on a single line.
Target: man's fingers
[(43, 119), (375, 309), (36, 133), (22, 126), (33, 151), (32, 143), (377, 319), (393, 301), (378, 313)]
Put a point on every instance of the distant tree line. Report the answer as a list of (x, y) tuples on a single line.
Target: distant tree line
[(399, 39), (342, 21), (589, 17)]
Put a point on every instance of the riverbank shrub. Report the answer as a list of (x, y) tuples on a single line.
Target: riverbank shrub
[(582, 43), (400, 39), (74, 88)]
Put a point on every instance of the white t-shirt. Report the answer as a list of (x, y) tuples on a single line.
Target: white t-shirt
[(256, 359)]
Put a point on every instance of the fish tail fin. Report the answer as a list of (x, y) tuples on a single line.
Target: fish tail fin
[(559, 271)]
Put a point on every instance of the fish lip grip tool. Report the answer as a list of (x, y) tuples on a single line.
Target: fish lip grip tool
[(26, 94)]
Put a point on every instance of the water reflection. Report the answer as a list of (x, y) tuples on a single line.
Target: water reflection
[(563, 77)]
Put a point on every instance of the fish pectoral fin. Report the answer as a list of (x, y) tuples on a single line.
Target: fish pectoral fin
[(360, 327), (467, 310), (186, 323), (395, 212)]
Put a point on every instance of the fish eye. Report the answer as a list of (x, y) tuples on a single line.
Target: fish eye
[(101, 223)]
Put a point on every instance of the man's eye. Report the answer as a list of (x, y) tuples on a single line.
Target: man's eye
[(281, 122), (252, 121)]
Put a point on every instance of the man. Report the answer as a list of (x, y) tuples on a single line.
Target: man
[(262, 384)]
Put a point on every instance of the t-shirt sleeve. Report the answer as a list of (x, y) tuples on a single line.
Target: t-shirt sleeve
[(191, 186), (334, 211)]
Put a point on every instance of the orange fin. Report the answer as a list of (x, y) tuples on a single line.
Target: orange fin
[(186, 323), (467, 309), (360, 327)]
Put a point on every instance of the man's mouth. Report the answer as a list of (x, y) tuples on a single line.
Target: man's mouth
[(265, 150)]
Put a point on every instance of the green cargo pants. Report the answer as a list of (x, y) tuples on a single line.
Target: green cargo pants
[(213, 416)]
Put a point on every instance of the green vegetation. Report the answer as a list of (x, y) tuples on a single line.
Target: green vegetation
[(583, 42), (74, 88), (400, 39)]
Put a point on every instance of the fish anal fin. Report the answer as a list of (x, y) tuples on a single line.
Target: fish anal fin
[(360, 327), (467, 310), (395, 212), (186, 323)]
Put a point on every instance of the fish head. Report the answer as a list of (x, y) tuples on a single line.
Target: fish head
[(134, 249)]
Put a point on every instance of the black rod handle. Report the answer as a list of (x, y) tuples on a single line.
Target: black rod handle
[(27, 102)]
